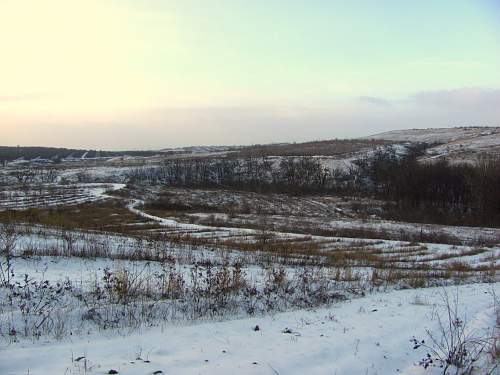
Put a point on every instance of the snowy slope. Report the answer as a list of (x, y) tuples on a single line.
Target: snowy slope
[(457, 144), (439, 135)]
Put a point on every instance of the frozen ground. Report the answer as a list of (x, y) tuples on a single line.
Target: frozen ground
[(51, 195), (303, 214), (369, 335)]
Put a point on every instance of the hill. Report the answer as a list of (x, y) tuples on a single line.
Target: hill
[(53, 154), (456, 144)]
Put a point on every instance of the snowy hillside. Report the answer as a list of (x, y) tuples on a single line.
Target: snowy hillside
[(200, 150), (438, 135), (456, 144)]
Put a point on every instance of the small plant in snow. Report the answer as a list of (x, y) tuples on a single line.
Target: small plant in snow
[(455, 348), (37, 304)]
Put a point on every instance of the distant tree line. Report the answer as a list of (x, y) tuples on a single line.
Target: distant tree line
[(298, 175), (456, 194), (52, 153)]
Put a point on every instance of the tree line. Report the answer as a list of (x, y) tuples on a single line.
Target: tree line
[(56, 154), (299, 175), (432, 192), (439, 191)]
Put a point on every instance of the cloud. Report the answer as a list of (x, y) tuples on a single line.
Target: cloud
[(460, 99), (375, 101), (160, 127)]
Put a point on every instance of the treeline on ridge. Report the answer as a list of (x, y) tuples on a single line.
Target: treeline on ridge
[(8, 153)]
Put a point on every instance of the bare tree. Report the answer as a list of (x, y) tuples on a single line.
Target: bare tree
[(25, 175), (8, 239), (48, 175)]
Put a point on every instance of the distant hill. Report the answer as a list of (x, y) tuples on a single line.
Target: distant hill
[(56, 154), (437, 135), (456, 144), (199, 150), (332, 147)]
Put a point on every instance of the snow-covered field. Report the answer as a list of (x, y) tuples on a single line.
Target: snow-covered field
[(51, 195), (219, 281), (369, 335)]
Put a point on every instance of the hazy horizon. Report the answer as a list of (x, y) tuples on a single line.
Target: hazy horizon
[(81, 146), (116, 75)]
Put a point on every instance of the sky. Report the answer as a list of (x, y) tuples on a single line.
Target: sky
[(148, 74)]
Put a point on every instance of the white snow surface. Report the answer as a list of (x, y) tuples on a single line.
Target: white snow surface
[(369, 335)]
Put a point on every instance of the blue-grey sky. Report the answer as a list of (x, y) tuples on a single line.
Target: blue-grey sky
[(151, 74)]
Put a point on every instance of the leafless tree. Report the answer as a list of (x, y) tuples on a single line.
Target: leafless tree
[(24, 175), (9, 236), (48, 175)]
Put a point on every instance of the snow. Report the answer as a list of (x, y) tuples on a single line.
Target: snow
[(457, 144), (369, 335), (182, 226), (50, 195), (364, 335), (441, 135), (434, 254)]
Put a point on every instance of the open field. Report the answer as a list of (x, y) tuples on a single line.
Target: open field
[(249, 187), (170, 262)]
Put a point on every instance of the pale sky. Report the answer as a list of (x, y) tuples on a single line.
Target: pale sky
[(147, 74)]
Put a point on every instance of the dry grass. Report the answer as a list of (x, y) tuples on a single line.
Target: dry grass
[(326, 148), (110, 216)]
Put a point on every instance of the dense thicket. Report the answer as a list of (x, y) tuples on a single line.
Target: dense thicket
[(287, 175), (436, 192)]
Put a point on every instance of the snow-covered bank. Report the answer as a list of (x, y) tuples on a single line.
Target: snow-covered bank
[(369, 335)]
